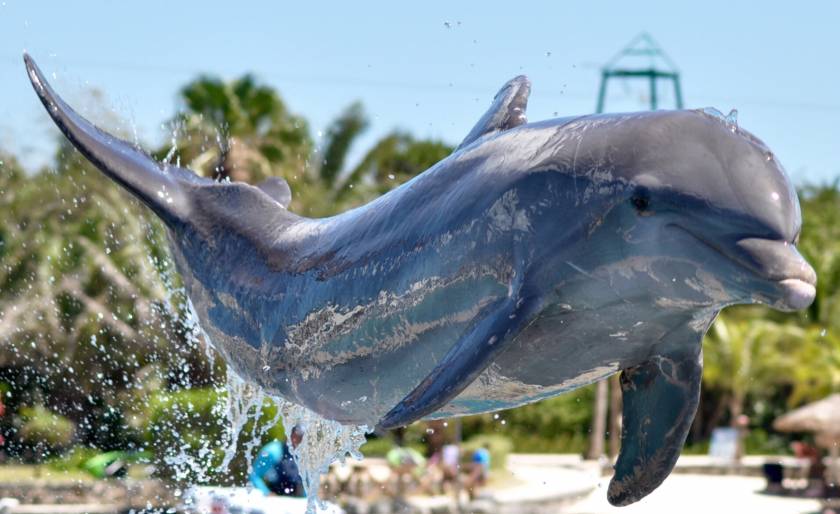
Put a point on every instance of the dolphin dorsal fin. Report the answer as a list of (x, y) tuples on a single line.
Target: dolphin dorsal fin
[(278, 189), (506, 112)]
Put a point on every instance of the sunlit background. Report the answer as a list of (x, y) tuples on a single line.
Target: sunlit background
[(102, 373)]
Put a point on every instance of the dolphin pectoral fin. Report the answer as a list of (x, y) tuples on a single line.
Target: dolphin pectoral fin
[(660, 400), (278, 189), (462, 364), (506, 111)]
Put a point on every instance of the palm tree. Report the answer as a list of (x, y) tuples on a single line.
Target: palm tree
[(338, 138), (394, 159), (239, 130), (749, 355), (243, 131)]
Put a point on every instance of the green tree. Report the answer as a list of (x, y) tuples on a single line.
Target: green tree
[(749, 356), (338, 139), (820, 244), (242, 131), (84, 310)]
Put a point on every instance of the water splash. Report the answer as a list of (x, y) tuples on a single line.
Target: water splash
[(730, 120), (324, 442), (244, 401)]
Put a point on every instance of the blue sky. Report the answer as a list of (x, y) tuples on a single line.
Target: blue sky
[(430, 67)]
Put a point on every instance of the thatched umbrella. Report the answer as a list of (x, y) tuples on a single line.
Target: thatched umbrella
[(821, 417)]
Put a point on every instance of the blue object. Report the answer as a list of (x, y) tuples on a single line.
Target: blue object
[(482, 456), (275, 471), (536, 259)]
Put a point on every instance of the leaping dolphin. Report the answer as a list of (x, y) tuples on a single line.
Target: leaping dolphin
[(537, 258)]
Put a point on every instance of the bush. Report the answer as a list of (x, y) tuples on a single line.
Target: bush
[(377, 446), (560, 424), (74, 459), (499, 446), (760, 442), (187, 436), (44, 430)]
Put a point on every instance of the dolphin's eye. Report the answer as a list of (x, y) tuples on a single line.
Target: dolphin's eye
[(641, 200)]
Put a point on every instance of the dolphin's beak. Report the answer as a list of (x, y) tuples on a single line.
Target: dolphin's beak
[(788, 281), (780, 263)]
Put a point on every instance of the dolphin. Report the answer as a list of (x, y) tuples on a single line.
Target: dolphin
[(535, 259)]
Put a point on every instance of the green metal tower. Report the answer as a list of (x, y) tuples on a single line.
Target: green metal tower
[(642, 59)]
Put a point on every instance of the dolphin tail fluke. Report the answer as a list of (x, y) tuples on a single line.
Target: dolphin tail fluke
[(126, 164), (660, 400)]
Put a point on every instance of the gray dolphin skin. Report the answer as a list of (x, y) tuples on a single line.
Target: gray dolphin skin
[(537, 258)]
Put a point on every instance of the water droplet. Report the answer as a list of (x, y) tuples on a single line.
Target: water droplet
[(711, 111), (732, 120), (548, 54), (447, 24), (391, 176)]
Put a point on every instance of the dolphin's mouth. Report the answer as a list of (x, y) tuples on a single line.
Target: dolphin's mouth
[(775, 262), (798, 294)]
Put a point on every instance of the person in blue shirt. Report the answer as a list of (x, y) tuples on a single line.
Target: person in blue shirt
[(478, 470), (275, 470)]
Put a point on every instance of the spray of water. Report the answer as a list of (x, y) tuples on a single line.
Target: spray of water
[(324, 441)]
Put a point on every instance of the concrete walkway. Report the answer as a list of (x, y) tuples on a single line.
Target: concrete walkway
[(699, 494), (544, 484)]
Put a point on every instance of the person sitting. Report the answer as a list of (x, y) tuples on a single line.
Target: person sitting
[(816, 469), (478, 470), (408, 465), (444, 465), (275, 470)]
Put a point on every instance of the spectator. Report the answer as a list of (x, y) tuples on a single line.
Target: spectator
[(479, 469), (275, 470), (443, 468), (816, 469), (406, 463)]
